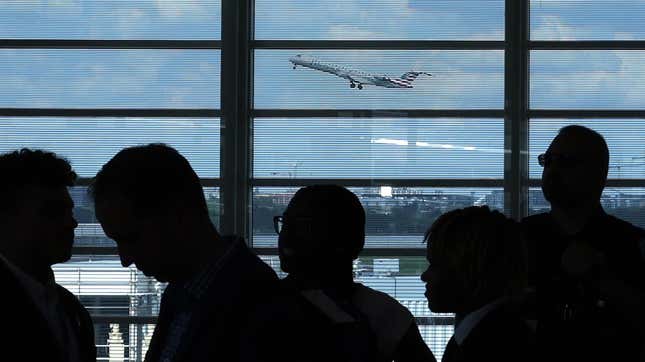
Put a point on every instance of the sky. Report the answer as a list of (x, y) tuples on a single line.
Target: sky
[(388, 147)]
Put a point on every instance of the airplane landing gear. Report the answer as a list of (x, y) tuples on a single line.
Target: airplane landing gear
[(360, 86), (294, 67), (352, 85)]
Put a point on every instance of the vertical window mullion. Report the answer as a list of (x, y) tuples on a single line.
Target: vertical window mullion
[(516, 104)]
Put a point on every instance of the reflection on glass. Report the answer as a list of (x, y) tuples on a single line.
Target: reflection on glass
[(107, 288), (624, 203), (115, 19), (88, 143), (460, 80), (378, 148), (587, 20), (624, 138), (380, 19), (590, 79), (89, 232), (122, 341), (64, 78), (396, 217)]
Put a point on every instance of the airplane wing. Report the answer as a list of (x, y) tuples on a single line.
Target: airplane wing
[(347, 75)]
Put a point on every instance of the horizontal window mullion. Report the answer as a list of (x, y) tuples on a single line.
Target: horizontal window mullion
[(378, 44), (95, 250), (100, 319), (108, 44), (588, 45), (586, 113), (109, 112), (378, 113), (617, 183), (206, 182), (294, 182), (394, 252)]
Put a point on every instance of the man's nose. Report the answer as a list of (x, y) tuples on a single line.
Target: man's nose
[(424, 276)]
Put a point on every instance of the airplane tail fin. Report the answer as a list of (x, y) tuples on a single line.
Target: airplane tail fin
[(411, 76)]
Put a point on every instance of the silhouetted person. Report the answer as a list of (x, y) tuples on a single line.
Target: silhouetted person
[(41, 321), (588, 267), (322, 314), (477, 270), (150, 201)]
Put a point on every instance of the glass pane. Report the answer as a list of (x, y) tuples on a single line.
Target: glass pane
[(624, 203), (110, 19), (587, 19), (380, 19), (88, 143), (396, 217), (594, 79), (110, 78), (107, 288), (624, 138), (89, 232), (122, 341), (378, 148), (399, 276), (460, 79)]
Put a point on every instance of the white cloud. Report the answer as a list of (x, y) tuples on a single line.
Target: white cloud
[(180, 8), (341, 31), (553, 28)]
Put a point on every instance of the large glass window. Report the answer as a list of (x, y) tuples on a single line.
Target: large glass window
[(416, 106), (85, 79)]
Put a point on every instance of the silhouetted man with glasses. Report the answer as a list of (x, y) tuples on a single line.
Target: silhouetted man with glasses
[(41, 320), (588, 267), (321, 313)]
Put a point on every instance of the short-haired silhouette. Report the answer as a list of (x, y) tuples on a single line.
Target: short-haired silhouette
[(41, 320), (322, 314), (150, 201), (587, 267), (477, 270)]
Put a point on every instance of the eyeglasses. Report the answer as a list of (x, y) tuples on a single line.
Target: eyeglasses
[(547, 159), (278, 223), (301, 223)]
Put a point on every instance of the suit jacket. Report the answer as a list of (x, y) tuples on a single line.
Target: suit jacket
[(214, 329), (586, 330), (500, 336), (25, 334), (294, 327)]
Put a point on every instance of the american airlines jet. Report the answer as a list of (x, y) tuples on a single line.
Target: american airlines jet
[(356, 78)]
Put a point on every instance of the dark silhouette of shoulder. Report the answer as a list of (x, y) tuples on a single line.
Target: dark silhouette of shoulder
[(502, 336), (217, 323), (25, 333)]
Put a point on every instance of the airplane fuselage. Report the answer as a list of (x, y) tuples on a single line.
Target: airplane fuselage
[(357, 78)]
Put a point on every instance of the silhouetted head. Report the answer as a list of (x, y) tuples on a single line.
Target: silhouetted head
[(475, 256), (148, 198), (36, 218), (575, 168), (324, 228)]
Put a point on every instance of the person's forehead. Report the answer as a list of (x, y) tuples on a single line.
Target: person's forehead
[(47, 195), (114, 212), (575, 145)]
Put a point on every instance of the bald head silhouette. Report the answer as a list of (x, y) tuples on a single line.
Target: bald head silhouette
[(576, 165)]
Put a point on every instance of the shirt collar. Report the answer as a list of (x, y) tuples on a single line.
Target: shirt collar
[(471, 320), (197, 285)]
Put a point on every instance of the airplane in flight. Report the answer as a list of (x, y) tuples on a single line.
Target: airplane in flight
[(356, 78)]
